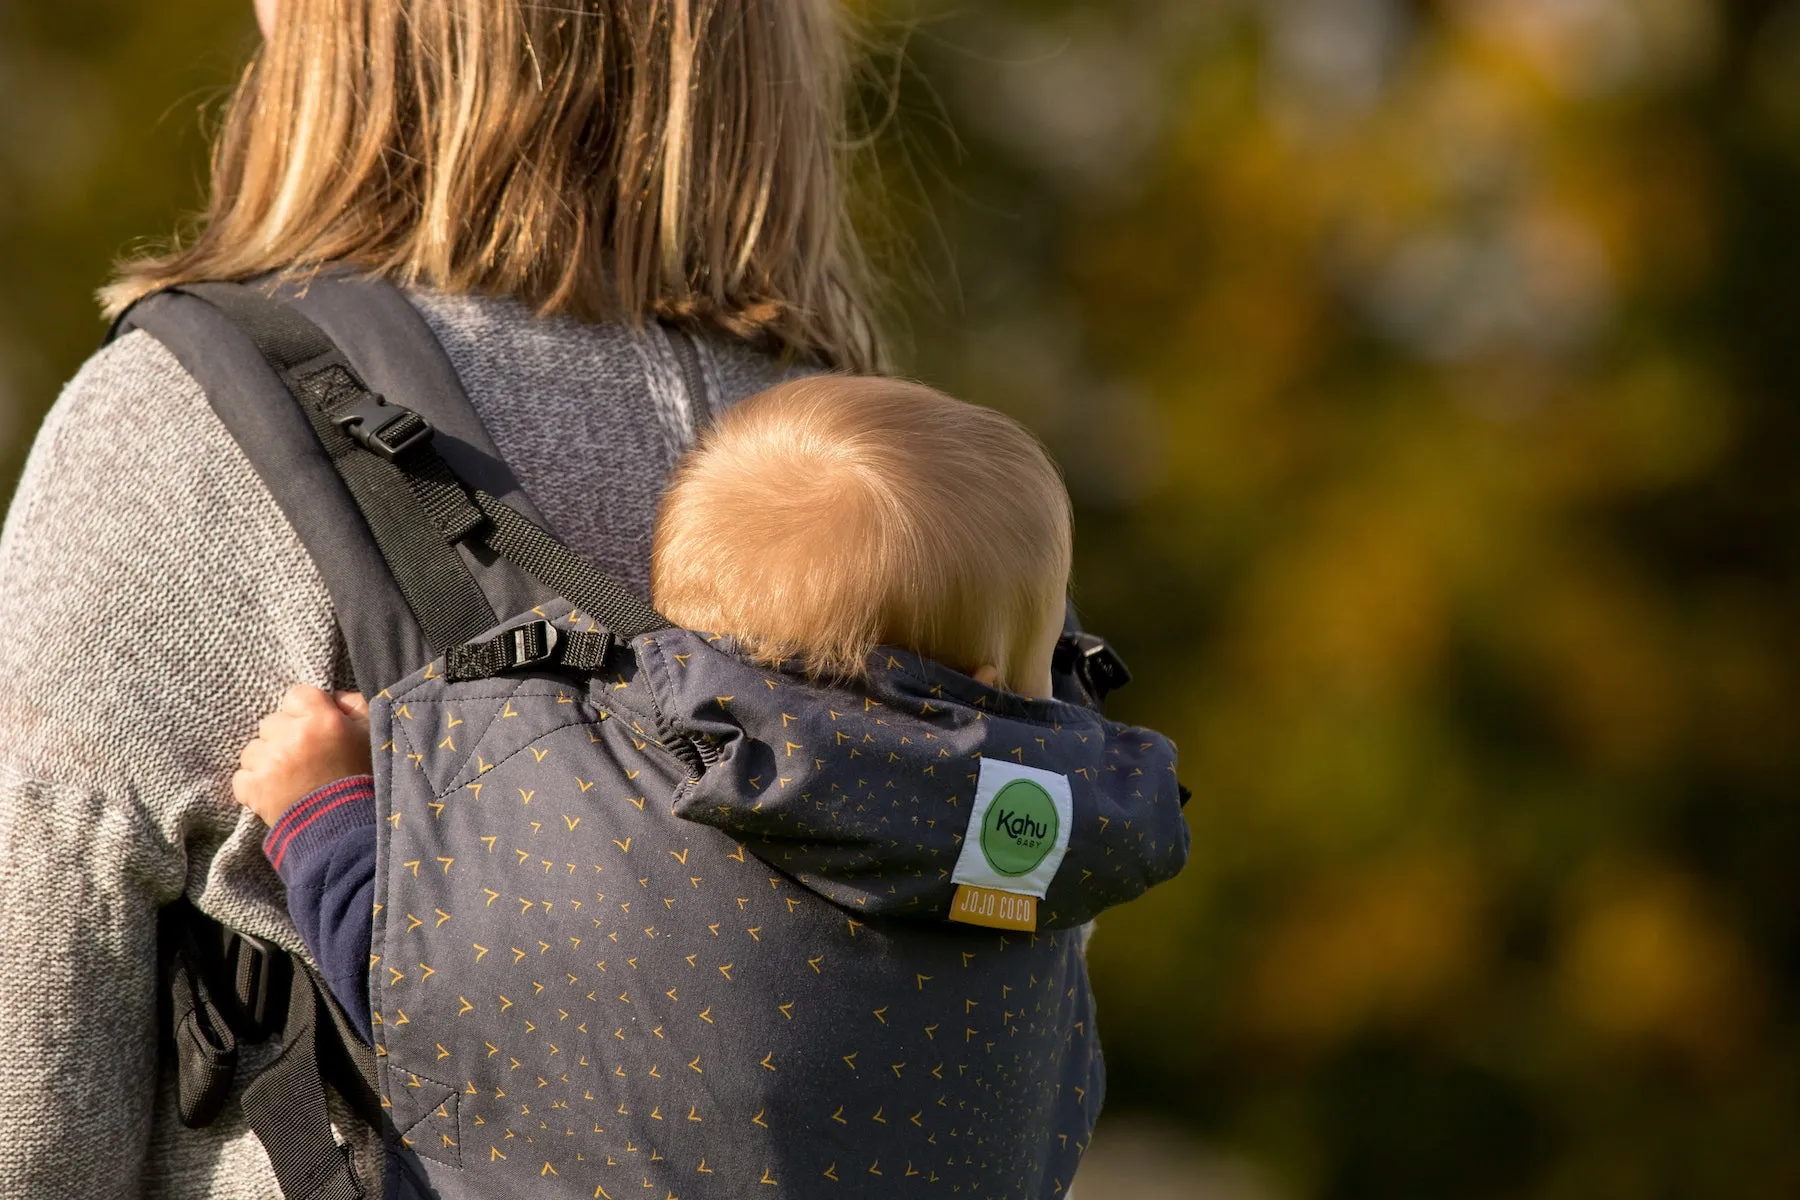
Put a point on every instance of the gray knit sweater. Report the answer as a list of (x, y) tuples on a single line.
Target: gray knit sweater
[(124, 700)]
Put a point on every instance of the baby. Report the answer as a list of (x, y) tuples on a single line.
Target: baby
[(813, 523)]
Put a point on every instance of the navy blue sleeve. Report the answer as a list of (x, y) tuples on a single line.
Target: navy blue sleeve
[(324, 850)]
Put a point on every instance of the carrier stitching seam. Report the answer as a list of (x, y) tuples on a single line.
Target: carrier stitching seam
[(390, 1065), (479, 738), (655, 665), (667, 726), (623, 698), (628, 708), (497, 762), (662, 679), (412, 747), (411, 694), (465, 758), (451, 1094)]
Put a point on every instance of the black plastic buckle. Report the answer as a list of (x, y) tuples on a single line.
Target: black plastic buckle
[(251, 964), (521, 646), (530, 644), (386, 429), (1094, 662)]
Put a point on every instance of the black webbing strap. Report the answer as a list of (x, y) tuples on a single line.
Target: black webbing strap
[(414, 515), (559, 568), (285, 1106), (225, 990), (614, 609), (206, 1048), (221, 988), (348, 1062)]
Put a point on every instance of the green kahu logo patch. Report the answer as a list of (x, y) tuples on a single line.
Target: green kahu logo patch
[(1019, 828)]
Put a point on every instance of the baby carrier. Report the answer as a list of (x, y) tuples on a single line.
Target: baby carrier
[(651, 920)]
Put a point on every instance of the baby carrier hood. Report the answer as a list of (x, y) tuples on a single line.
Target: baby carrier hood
[(865, 794)]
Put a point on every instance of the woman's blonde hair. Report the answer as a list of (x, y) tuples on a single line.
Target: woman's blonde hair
[(828, 516), (606, 158)]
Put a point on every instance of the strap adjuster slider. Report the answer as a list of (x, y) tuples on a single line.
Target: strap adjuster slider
[(530, 644), (251, 962)]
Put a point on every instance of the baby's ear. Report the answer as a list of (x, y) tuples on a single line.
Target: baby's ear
[(987, 676)]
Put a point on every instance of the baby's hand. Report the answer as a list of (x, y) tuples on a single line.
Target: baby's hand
[(313, 739)]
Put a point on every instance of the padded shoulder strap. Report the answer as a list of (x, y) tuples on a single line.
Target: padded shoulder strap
[(384, 639), (429, 498)]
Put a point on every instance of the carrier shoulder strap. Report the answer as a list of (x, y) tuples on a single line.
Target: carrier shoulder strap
[(354, 419), (238, 369)]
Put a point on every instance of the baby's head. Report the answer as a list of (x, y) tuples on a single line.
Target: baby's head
[(830, 515)]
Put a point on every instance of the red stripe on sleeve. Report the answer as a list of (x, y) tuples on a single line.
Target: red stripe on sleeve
[(310, 809)]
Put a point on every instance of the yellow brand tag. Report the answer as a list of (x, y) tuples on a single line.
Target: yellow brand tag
[(999, 910)]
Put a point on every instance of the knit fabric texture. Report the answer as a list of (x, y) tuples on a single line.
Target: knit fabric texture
[(125, 697)]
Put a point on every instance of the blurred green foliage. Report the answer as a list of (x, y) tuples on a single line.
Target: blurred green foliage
[(101, 150), (1424, 376)]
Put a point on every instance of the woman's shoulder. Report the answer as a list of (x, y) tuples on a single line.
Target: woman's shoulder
[(140, 520), (134, 380), (132, 464), (130, 396)]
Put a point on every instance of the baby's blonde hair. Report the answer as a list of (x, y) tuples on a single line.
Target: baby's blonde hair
[(833, 514)]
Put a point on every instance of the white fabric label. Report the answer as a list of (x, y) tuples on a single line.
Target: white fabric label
[(1018, 829)]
